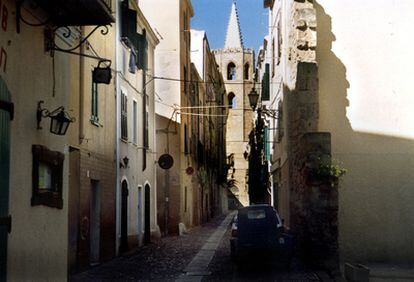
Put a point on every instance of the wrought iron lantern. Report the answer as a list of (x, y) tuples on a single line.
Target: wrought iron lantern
[(253, 97), (59, 119)]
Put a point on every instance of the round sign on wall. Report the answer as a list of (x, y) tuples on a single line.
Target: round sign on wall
[(166, 161), (189, 170)]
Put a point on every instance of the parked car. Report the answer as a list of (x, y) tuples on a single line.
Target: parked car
[(258, 230)]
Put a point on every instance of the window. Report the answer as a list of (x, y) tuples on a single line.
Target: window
[(232, 100), (256, 214), (131, 38), (142, 46), (47, 177), (231, 71), (246, 71), (134, 121), (94, 104), (280, 132), (124, 116), (279, 42), (274, 57)]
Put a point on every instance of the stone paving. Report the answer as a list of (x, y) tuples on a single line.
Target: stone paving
[(162, 260), (198, 267)]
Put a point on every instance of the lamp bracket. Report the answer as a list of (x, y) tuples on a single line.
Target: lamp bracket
[(50, 43), (67, 33), (43, 113)]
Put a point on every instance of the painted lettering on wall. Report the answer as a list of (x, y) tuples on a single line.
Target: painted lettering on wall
[(3, 59), (4, 18)]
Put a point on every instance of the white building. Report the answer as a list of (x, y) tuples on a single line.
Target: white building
[(137, 210)]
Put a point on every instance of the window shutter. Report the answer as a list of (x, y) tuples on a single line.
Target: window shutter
[(142, 46), (267, 144), (124, 115), (128, 23)]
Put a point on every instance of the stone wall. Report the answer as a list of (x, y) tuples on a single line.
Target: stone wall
[(313, 204)]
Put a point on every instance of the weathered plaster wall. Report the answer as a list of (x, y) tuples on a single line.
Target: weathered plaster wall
[(36, 250), (366, 103)]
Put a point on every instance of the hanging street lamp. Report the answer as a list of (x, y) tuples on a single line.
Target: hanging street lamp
[(59, 119)]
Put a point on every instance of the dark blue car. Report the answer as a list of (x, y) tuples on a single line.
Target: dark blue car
[(258, 230)]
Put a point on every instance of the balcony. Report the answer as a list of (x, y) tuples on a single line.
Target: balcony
[(78, 12)]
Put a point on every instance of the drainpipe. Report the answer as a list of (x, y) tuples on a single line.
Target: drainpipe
[(118, 122), (81, 89)]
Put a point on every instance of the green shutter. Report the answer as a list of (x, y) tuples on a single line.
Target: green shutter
[(142, 48), (4, 176), (94, 103), (267, 144), (128, 22), (266, 84)]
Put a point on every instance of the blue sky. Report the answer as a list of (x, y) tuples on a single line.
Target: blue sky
[(213, 15)]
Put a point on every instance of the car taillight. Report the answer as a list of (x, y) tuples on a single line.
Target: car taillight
[(234, 232)]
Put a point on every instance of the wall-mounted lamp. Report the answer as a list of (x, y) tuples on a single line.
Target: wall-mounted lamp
[(59, 119), (126, 161), (102, 74), (253, 98)]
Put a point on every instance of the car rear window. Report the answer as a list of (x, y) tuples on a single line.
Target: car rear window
[(256, 214)]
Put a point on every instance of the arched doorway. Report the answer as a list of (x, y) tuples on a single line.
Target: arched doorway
[(147, 219), (124, 217)]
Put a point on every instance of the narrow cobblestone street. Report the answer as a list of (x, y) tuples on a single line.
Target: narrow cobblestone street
[(203, 254)]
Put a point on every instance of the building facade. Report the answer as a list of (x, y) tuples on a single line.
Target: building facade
[(40, 84), (136, 115), (172, 61), (210, 112), (236, 63), (330, 94)]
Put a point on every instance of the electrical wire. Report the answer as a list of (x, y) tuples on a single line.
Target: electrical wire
[(206, 82), (204, 115)]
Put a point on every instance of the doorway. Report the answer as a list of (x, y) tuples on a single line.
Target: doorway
[(139, 206), (5, 221), (124, 217), (95, 226), (147, 220)]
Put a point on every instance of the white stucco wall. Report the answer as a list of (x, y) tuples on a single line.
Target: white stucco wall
[(197, 50), (165, 20), (366, 100), (137, 178)]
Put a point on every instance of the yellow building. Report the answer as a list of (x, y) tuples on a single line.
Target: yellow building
[(39, 80)]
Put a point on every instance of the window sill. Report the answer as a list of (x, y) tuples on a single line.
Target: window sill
[(95, 122), (48, 198)]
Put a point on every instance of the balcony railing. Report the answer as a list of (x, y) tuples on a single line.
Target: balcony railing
[(78, 12)]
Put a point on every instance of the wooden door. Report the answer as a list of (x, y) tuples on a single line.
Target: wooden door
[(124, 217), (6, 115), (147, 220)]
